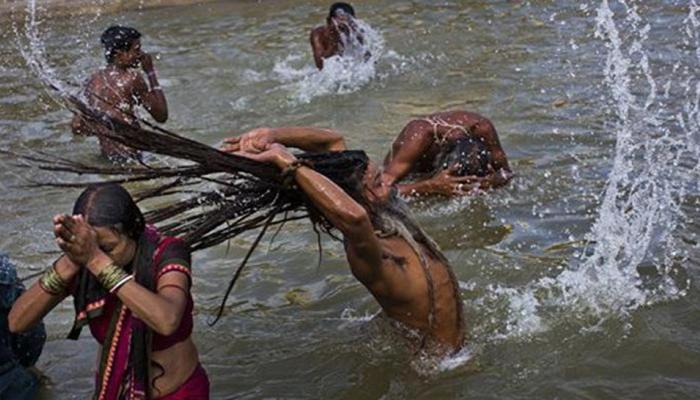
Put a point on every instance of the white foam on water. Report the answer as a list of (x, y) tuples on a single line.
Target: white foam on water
[(461, 358), (340, 74), (351, 315)]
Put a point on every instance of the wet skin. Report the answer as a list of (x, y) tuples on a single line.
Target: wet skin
[(422, 141), (326, 41), (116, 90), (387, 265)]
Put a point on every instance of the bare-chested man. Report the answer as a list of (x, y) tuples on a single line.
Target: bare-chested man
[(387, 251), (449, 153), (118, 87), (330, 40)]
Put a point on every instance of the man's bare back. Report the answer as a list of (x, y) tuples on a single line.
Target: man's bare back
[(423, 141)]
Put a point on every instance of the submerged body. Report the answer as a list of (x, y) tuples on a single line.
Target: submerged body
[(431, 306), (118, 88), (387, 251), (338, 36), (422, 143)]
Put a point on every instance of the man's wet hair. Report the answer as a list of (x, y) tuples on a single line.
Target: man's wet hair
[(469, 156), (345, 7), (118, 38)]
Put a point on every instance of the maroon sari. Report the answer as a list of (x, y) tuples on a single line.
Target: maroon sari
[(127, 342)]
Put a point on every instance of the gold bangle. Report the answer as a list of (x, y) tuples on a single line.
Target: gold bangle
[(121, 283), (111, 276), (52, 283)]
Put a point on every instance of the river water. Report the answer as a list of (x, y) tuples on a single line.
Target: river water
[(579, 279)]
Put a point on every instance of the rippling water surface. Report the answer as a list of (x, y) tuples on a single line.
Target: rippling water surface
[(579, 278)]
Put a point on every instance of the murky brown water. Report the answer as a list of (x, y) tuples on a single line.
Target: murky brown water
[(293, 330)]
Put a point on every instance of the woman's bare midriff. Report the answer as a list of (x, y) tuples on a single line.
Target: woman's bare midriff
[(178, 362)]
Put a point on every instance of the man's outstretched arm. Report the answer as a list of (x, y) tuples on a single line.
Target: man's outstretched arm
[(309, 139)]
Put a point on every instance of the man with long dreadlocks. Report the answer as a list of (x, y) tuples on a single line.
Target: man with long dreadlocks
[(449, 153), (118, 87), (387, 251)]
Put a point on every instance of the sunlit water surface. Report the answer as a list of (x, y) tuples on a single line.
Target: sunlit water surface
[(579, 279)]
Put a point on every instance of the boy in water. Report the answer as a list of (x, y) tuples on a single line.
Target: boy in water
[(118, 87), (456, 152), (328, 41)]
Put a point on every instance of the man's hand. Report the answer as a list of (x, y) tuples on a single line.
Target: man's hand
[(231, 145), (254, 141), (446, 183), (274, 153), (146, 63)]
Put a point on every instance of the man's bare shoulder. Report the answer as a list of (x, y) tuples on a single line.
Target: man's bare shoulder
[(319, 33)]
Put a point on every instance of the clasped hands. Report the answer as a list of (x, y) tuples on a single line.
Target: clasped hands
[(77, 239)]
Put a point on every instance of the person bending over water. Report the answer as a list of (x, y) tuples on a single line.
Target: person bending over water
[(336, 36), (387, 251), (132, 287), (118, 87), (456, 152)]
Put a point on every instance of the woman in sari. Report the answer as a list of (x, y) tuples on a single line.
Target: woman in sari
[(132, 287)]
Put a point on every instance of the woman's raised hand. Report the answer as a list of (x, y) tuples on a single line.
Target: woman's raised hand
[(76, 238)]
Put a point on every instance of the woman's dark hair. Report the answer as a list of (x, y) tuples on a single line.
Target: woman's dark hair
[(118, 38), (110, 205), (345, 7)]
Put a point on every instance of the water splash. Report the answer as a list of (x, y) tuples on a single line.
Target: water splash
[(341, 74), (31, 44), (655, 161), (33, 50)]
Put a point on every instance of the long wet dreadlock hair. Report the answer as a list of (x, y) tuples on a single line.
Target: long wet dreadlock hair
[(246, 194)]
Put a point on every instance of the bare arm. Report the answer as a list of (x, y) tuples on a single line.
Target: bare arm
[(413, 141), (317, 48), (342, 211), (305, 138), (151, 96), (35, 303), (485, 130), (161, 311)]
